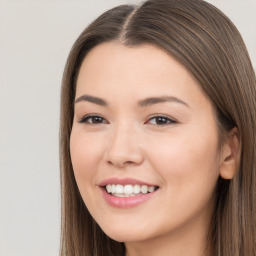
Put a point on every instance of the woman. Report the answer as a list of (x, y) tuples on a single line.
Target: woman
[(158, 135)]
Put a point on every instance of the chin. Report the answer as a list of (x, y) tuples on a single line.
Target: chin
[(125, 235)]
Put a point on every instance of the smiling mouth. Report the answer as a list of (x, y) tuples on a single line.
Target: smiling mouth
[(129, 190)]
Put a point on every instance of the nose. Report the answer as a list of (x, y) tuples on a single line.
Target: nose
[(124, 148)]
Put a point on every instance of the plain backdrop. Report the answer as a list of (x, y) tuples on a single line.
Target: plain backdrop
[(35, 38)]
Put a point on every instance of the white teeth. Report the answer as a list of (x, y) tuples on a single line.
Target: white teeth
[(129, 190), (109, 188), (119, 189), (113, 189), (151, 189), (144, 189), (136, 189)]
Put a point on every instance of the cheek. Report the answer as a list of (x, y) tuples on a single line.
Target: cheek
[(189, 172), (186, 162), (85, 154)]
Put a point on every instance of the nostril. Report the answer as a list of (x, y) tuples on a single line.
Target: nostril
[(129, 162), (121, 164)]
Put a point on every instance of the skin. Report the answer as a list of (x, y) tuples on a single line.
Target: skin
[(180, 155)]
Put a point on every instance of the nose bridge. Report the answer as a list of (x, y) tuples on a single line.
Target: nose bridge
[(124, 145)]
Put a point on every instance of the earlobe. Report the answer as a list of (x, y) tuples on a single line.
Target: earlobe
[(231, 153)]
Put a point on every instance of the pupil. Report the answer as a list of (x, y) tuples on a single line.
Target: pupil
[(97, 119), (161, 120)]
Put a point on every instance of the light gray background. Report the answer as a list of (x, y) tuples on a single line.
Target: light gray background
[(35, 38)]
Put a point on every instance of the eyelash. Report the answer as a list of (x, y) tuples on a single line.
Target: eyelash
[(159, 117), (163, 118), (86, 118)]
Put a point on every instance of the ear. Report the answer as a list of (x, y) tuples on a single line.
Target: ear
[(230, 155)]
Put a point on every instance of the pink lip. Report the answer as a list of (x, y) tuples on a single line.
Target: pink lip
[(125, 202), (123, 181)]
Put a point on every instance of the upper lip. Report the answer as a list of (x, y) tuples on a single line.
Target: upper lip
[(123, 181)]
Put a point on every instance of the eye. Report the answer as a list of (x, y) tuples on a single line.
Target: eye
[(161, 120), (93, 119)]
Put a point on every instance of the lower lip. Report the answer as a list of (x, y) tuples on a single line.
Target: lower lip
[(126, 202)]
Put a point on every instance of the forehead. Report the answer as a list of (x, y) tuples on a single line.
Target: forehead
[(145, 57), (113, 69)]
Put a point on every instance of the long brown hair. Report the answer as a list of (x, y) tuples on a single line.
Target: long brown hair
[(206, 42)]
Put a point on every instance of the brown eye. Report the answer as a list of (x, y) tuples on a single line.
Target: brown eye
[(161, 120), (93, 120)]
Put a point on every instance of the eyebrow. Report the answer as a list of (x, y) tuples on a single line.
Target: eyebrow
[(141, 103), (156, 100), (92, 99)]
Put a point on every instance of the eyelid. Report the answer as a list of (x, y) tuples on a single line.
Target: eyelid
[(170, 120), (86, 117)]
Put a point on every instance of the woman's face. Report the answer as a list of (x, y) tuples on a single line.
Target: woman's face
[(144, 130)]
